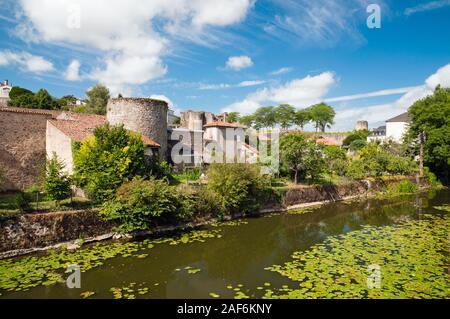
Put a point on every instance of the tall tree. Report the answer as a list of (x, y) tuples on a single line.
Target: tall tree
[(20, 97), (247, 120), (97, 99), (430, 117), (322, 115), (302, 117), (43, 100), (264, 117), (284, 115), (233, 117), (293, 152)]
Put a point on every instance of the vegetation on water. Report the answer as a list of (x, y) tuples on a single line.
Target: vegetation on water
[(411, 258)]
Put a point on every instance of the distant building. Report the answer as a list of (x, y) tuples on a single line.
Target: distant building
[(5, 88), (362, 126), (395, 129)]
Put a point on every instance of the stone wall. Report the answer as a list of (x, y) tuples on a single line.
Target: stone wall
[(22, 148), (147, 116)]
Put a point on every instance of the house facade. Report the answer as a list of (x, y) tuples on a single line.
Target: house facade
[(5, 88), (394, 130)]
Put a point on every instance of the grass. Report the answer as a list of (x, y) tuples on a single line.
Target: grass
[(9, 204)]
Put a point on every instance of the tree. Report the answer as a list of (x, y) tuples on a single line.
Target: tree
[(247, 120), (233, 117), (106, 160), (293, 151), (57, 182), (431, 117), (284, 115), (43, 100), (20, 97), (264, 117), (336, 159), (322, 115), (97, 99), (302, 117)]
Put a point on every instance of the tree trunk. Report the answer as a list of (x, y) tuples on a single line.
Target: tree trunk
[(421, 153), (296, 176)]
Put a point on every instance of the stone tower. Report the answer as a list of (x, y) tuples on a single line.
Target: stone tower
[(361, 126), (144, 115)]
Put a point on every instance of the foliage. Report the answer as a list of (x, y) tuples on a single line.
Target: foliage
[(43, 100), (410, 256), (233, 117), (356, 140), (336, 160), (284, 115), (21, 97), (264, 116), (302, 156), (322, 115), (431, 116), (247, 120), (403, 187), (97, 99), (302, 117), (237, 188), (22, 202), (140, 202), (107, 159), (57, 182)]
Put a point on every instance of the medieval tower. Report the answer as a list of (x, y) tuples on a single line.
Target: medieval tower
[(144, 115)]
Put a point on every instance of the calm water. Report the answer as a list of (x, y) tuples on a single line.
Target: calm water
[(241, 254)]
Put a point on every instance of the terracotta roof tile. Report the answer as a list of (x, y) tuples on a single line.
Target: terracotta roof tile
[(224, 124), (53, 113)]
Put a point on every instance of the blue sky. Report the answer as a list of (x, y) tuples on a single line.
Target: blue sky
[(233, 55)]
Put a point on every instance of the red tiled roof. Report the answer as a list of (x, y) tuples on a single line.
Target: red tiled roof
[(53, 113), (224, 124), (79, 126)]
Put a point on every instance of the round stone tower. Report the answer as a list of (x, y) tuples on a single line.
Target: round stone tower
[(144, 115), (361, 126)]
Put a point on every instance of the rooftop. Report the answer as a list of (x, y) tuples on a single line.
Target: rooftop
[(53, 113), (224, 124), (404, 117)]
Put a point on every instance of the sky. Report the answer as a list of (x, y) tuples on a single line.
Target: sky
[(234, 55)]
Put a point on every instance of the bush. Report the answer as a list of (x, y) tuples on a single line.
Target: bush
[(403, 187), (356, 169), (22, 202), (401, 165), (140, 202), (106, 160), (57, 183), (336, 160), (237, 187)]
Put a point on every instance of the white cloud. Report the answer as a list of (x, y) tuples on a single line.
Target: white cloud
[(298, 92), (131, 37), (171, 105), (378, 114), (281, 71), (427, 6), (26, 61), (221, 86), (370, 94), (238, 63), (73, 71)]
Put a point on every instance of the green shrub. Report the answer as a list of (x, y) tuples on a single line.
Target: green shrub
[(401, 165), (57, 182), (356, 169), (431, 178), (237, 187), (140, 202), (403, 187), (22, 202), (106, 160)]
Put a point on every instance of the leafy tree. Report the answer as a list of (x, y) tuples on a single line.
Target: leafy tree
[(20, 97), (233, 117), (247, 120), (140, 202), (356, 135), (322, 115), (285, 115), (97, 99), (43, 100), (336, 160), (106, 160), (236, 187), (431, 116), (57, 182), (264, 117), (302, 117)]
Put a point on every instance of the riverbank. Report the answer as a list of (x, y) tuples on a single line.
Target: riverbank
[(30, 233)]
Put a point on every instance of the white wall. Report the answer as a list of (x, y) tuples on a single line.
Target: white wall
[(61, 144), (396, 130)]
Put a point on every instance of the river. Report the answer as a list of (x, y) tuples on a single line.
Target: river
[(232, 259)]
